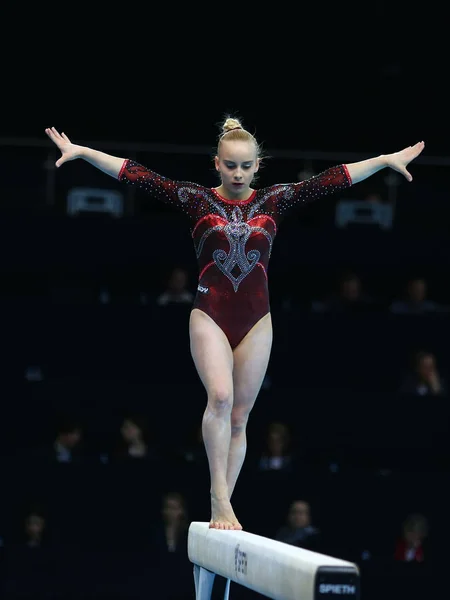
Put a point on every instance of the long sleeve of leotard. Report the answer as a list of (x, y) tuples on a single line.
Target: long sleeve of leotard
[(282, 198), (181, 194)]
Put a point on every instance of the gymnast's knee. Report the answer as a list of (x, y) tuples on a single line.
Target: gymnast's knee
[(239, 419), (220, 401)]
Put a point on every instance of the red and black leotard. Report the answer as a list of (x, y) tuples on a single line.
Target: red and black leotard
[(233, 239)]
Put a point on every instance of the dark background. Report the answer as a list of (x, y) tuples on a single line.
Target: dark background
[(345, 91)]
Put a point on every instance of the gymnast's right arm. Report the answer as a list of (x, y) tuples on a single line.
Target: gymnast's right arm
[(111, 165), (125, 170)]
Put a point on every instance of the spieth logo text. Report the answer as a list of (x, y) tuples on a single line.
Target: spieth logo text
[(240, 561), (341, 590)]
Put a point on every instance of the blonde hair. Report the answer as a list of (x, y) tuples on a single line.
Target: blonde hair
[(233, 130)]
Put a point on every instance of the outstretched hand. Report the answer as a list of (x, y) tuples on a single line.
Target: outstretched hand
[(69, 151), (399, 160)]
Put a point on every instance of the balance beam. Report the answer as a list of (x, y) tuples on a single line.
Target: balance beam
[(274, 569)]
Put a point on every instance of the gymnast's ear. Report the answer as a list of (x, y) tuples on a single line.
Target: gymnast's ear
[(216, 162)]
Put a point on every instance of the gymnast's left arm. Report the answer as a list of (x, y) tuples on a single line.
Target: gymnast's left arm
[(398, 161), (282, 199)]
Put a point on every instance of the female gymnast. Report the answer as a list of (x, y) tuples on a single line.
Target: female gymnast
[(233, 227)]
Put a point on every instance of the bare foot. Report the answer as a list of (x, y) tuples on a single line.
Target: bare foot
[(222, 514)]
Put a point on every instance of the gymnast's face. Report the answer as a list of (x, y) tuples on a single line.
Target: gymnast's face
[(237, 163)]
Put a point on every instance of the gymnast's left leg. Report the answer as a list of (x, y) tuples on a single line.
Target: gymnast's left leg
[(251, 358)]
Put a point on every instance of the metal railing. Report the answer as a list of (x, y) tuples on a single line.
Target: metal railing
[(169, 148)]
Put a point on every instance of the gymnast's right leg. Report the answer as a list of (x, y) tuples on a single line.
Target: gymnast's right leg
[(213, 359)]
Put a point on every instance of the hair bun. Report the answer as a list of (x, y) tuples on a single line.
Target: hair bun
[(231, 124)]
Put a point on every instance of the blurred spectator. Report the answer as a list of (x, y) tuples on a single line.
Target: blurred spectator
[(276, 454), (29, 561), (34, 529), (425, 379), (177, 291), (416, 299), (66, 447), (134, 441), (410, 545), (173, 524), (299, 530), (169, 545), (349, 297)]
